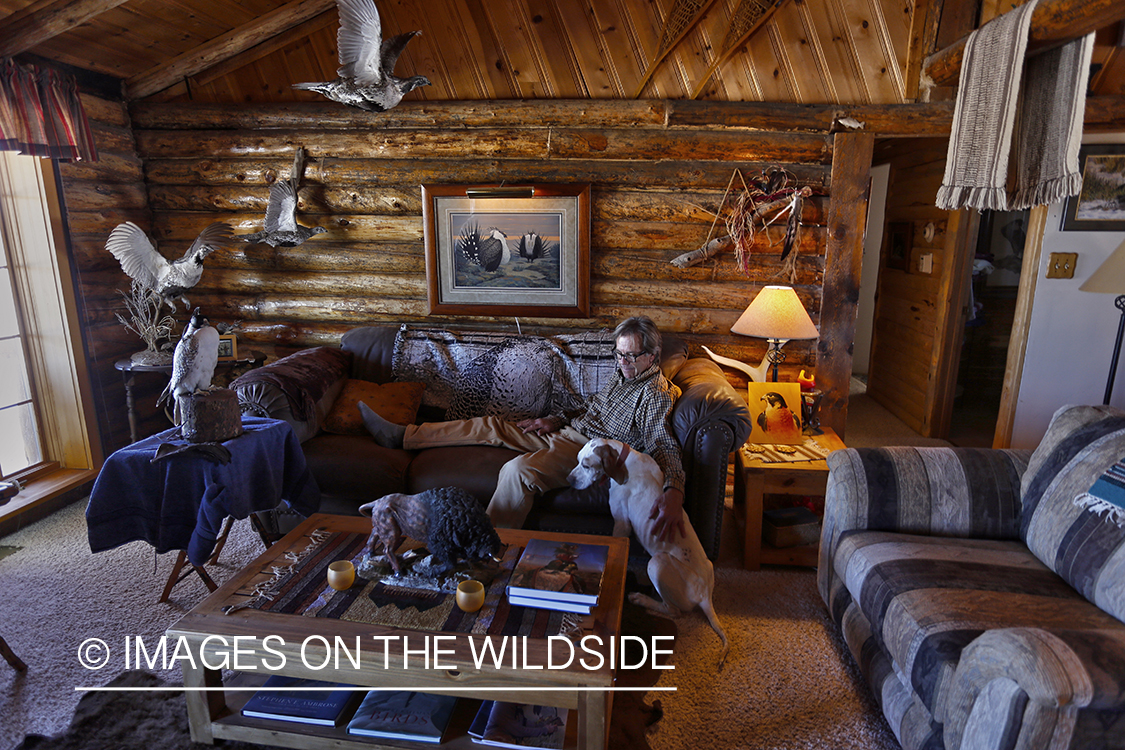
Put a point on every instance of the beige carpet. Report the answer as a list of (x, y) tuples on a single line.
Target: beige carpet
[(786, 684)]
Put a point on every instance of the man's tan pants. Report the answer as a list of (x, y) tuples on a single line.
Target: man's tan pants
[(544, 465)]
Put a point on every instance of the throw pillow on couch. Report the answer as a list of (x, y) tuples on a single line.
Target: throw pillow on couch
[(395, 402)]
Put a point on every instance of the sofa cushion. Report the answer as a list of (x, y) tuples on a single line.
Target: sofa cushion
[(1084, 547), (928, 597), (352, 467), (395, 402)]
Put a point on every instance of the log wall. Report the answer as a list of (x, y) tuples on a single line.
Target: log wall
[(655, 183)]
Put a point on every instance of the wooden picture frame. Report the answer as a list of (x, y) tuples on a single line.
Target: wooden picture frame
[(770, 424), (228, 347), (1100, 205), (470, 272), (900, 241)]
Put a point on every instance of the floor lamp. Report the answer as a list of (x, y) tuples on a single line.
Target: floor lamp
[(1110, 279), (777, 315)]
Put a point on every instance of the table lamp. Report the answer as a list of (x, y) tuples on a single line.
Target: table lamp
[(776, 315), (1110, 279)]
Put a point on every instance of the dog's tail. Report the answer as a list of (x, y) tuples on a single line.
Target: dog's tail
[(709, 611)]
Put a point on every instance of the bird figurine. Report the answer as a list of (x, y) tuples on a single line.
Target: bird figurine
[(777, 420), (532, 246), (489, 252), (365, 78), (193, 364), (150, 269), (281, 227)]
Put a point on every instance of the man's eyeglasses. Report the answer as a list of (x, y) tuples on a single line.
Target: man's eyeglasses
[(630, 357)]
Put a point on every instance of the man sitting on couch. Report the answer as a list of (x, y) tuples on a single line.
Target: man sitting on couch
[(634, 407)]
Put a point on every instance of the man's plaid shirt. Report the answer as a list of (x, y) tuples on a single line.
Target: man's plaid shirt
[(637, 412)]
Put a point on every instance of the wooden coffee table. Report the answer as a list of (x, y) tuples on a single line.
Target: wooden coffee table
[(209, 635)]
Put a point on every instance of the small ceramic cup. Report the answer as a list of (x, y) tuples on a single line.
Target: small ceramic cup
[(470, 595), (341, 575)]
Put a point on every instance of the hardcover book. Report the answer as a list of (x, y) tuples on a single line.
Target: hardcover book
[(403, 714), (518, 725), (321, 707), (560, 571), (543, 603)]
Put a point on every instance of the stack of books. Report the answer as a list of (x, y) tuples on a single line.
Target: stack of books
[(323, 706), (562, 576)]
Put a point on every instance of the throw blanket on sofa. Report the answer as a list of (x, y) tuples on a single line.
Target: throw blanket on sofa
[(303, 377), (476, 374)]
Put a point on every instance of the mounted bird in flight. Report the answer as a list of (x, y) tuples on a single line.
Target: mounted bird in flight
[(170, 279), (365, 74), (281, 227)]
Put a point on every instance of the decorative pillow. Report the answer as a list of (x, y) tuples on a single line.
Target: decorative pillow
[(1082, 544), (395, 402)]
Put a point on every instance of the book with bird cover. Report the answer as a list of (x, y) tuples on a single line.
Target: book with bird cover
[(559, 572)]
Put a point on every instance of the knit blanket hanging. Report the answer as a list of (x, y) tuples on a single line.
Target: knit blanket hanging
[(1107, 494), (1016, 128), (477, 373)]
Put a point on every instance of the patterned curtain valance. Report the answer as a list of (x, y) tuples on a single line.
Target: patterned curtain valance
[(42, 115)]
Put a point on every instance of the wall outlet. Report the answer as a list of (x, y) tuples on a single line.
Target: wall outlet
[(926, 263), (1061, 265)]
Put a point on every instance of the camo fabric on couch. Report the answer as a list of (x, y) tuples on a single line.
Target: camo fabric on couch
[(967, 638)]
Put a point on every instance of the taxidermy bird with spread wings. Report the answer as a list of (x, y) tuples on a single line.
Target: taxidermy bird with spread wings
[(193, 364), (365, 74), (169, 279), (281, 227)]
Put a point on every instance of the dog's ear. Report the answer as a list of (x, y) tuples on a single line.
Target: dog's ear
[(611, 467)]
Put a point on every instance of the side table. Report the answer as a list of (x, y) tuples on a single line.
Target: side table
[(129, 369), (754, 479)]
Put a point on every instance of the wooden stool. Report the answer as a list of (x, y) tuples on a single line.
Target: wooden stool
[(178, 569)]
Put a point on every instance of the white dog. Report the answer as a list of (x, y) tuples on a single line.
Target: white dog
[(680, 570)]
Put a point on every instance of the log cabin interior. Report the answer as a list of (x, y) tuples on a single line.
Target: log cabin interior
[(657, 104)]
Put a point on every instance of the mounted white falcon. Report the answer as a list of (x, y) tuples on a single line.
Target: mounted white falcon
[(170, 279), (193, 364)]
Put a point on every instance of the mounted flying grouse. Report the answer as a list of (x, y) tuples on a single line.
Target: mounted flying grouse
[(489, 251), (169, 279), (281, 227), (365, 74), (193, 364)]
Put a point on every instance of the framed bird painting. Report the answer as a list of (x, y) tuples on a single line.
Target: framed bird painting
[(775, 411), (518, 250)]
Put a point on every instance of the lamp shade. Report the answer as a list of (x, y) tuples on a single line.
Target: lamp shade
[(776, 313), (1110, 276)]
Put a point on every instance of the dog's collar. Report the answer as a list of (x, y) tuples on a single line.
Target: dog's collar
[(623, 454)]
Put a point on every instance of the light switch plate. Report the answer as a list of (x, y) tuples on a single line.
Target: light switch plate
[(1061, 265)]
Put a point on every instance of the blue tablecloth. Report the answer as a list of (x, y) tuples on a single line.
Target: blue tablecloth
[(180, 501)]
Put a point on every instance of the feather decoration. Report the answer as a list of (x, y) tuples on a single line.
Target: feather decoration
[(792, 236)]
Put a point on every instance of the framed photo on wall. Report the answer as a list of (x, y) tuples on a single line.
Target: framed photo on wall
[(1100, 206), (521, 250), (775, 413)]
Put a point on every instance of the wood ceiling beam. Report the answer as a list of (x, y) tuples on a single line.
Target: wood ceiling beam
[(222, 48), (1053, 23), (46, 19)]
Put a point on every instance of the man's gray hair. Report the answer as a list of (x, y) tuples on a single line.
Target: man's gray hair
[(641, 325)]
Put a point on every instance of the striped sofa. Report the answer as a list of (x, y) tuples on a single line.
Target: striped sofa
[(983, 605)]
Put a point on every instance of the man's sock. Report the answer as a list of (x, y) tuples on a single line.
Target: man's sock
[(386, 434)]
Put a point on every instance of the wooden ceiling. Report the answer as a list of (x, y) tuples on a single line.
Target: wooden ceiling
[(804, 51)]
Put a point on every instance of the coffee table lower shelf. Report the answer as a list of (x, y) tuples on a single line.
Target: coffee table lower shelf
[(232, 725)]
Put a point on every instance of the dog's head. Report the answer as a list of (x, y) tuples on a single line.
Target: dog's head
[(598, 459)]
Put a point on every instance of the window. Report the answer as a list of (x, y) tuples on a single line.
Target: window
[(46, 421)]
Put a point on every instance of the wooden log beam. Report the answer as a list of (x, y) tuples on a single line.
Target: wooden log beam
[(1053, 23), (226, 46), (46, 19), (847, 214)]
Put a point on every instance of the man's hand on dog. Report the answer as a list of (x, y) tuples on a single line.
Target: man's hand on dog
[(668, 510), (540, 426)]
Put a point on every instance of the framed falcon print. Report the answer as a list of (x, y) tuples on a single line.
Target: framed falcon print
[(508, 250), (775, 413)]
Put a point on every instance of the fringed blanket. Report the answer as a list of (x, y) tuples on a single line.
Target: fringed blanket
[(477, 374), (302, 589), (1001, 107), (1107, 494)]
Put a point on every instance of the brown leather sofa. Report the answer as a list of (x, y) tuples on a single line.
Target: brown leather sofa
[(710, 420)]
